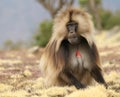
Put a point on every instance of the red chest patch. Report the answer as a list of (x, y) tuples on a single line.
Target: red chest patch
[(78, 54)]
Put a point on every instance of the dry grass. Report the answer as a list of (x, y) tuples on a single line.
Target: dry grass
[(20, 74)]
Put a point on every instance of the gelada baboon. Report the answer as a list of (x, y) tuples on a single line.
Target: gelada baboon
[(71, 56)]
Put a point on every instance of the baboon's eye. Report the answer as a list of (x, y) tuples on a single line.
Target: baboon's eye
[(72, 26)]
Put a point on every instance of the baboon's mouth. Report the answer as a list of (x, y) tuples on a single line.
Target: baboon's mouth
[(74, 40)]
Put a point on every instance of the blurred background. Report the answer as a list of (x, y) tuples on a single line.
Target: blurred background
[(25, 28), (27, 23)]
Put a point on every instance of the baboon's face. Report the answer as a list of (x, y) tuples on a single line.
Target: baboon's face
[(72, 28), (77, 25)]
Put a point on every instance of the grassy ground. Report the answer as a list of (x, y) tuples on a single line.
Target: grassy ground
[(20, 74)]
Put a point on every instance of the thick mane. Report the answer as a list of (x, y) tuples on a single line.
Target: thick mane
[(55, 55), (54, 51), (84, 20)]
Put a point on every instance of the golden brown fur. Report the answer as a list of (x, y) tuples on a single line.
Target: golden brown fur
[(53, 60)]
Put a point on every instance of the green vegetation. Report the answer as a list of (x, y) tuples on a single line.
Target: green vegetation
[(112, 20), (44, 33), (10, 45), (103, 19)]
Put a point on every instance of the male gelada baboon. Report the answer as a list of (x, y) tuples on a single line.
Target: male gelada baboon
[(71, 56)]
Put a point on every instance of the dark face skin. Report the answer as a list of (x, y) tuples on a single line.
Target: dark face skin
[(72, 36)]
